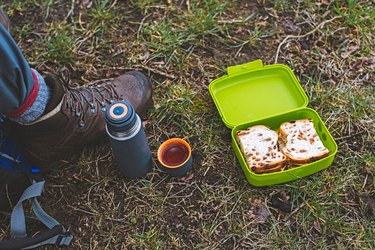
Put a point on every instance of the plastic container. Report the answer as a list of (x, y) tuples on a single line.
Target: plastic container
[(252, 94)]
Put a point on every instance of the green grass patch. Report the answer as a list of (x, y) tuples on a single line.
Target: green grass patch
[(361, 16), (178, 32), (182, 46)]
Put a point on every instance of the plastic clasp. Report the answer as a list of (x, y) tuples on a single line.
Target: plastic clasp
[(238, 69)]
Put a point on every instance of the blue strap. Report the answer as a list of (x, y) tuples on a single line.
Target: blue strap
[(17, 219), (18, 225), (47, 220)]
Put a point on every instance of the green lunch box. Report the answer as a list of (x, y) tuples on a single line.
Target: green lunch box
[(252, 94)]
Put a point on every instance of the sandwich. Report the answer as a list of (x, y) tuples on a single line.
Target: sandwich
[(300, 142), (259, 145)]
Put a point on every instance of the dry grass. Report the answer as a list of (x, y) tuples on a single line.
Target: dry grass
[(183, 46)]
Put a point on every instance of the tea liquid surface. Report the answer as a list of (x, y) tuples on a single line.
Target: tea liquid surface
[(175, 154)]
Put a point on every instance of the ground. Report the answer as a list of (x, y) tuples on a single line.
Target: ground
[(182, 46)]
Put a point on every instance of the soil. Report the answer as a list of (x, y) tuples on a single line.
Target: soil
[(95, 202)]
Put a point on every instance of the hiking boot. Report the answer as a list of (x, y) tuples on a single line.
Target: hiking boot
[(4, 20), (75, 116)]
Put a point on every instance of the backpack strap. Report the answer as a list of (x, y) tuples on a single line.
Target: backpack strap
[(31, 242), (55, 235)]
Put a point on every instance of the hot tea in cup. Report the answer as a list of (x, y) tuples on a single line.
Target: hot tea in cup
[(174, 156)]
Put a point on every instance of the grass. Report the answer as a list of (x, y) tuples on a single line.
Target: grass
[(359, 16), (179, 31), (183, 46)]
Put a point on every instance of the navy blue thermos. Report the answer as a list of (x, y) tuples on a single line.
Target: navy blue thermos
[(128, 140)]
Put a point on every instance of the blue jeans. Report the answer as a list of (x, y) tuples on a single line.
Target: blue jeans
[(16, 79)]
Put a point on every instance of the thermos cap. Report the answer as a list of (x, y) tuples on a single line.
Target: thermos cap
[(118, 110), (120, 116)]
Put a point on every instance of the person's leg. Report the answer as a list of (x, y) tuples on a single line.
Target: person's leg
[(4, 20), (16, 79), (72, 117), (24, 94)]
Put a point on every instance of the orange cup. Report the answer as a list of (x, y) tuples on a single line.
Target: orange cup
[(174, 156)]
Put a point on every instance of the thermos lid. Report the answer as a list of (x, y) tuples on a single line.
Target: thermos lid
[(120, 116)]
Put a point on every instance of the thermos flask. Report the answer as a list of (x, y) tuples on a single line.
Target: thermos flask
[(128, 140)]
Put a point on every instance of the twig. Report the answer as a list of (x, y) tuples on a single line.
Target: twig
[(238, 20), (156, 71), (83, 211), (302, 36), (293, 212), (113, 4), (231, 21), (141, 24), (350, 136), (71, 11)]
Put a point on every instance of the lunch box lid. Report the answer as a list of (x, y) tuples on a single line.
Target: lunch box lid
[(252, 91)]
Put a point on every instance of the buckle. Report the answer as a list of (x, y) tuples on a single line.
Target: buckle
[(64, 239)]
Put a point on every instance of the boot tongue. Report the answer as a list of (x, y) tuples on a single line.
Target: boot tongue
[(56, 90)]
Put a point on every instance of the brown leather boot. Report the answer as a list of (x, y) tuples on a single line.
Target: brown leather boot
[(75, 116), (4, 20)]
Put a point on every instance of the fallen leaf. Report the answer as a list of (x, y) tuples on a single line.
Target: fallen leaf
[(281, 202), (369, 203), (369, 179), (145, 56), (86, 3), (322, 2), (251, 214), (317, 227), (304, 44), (291, 27), (262, 214), (187, 177), (145, 123), (256, 201), (157, 106), (351, 49)]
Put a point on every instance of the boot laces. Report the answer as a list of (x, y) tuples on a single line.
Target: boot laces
[(97, 95)]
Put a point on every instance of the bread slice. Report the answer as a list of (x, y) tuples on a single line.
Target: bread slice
[(259, 147), (301, 142), (266, 169)]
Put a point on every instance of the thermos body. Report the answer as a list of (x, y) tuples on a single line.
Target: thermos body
[(128, 140)]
